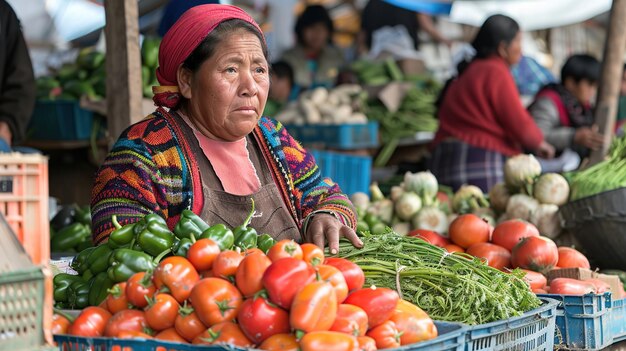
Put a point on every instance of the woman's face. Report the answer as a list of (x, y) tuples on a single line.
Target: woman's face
[(315, 36), (584, 90), (512, 53), (228, 93)]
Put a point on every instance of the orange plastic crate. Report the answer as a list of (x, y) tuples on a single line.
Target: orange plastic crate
[(24, 202)]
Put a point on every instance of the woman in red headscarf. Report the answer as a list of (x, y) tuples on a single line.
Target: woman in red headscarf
[(208, 149)]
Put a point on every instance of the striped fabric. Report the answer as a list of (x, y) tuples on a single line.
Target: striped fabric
[(151, 170)]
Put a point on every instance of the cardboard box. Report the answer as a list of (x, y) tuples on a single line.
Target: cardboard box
[(582, 274)]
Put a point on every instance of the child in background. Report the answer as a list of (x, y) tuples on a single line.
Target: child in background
[(281, 88)]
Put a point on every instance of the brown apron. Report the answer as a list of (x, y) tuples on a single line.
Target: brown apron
[(271, 215)]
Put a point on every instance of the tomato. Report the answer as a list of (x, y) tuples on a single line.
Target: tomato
[(116, 300), (284, 278), (452, 248), (223, 333), (535, 280), (366, 343), (571, 258), (202, 254), (328, 341), (386, 335), (187, 323), (280, 342), (259, 319), (170, 334), (127, 320), (285, 248), (378, 303), (91, 322), (495, 256), (215, 300), (509, 233), (252, 250), (355, 278), (312, 254), (178, 275), (469, 229), (406, 306), (250, 272), (138, 287), (332, 275), (430, 236), (60, 324), (131, 334), (413, 328), (536, 253), (600, 285), (539, 291), (162, 311), (314, 307), (226, 264), (569, 286), (350, 320)]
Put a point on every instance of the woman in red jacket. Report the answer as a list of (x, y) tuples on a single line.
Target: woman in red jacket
[(482, 120)]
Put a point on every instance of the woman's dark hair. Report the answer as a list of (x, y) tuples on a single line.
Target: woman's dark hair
[(579, 67), (495, 30), (206, 49), (313, 15)]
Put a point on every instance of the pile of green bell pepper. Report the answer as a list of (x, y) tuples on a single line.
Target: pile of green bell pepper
[(70, 229), (138, 247)]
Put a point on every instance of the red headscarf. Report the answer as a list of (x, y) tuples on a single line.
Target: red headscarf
[(183, 38)]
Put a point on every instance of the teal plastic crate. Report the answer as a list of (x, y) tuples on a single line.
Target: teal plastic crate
[(618, 320), (534, 330), (352, 173), (340, 136), (60, 120), (451, 338), (583, 322)]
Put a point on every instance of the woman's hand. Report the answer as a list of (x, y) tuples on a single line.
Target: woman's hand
[(325, 228), (545, 150)]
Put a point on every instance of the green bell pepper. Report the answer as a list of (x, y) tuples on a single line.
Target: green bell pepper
[(78, 263), (141, 225), (99, 288), (98, 260), (61, 283), (121, 236), (245, 237), (83, 215), (156, 238), (86, 243), (265, 242), (221, 234), (70, 236), (182, 247), (78, 294), (126, 262), (190, 224), (87, 274)]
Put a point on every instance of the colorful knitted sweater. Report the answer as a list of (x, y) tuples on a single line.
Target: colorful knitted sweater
[(152, 170)]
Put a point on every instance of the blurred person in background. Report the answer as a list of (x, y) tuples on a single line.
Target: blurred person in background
[(378, 14), (563, 112), (314, 59), (18, 90), (281, 88), (621, 111), (482, 119)]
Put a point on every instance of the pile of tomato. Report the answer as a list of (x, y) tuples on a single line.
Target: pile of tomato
[(293, 298)]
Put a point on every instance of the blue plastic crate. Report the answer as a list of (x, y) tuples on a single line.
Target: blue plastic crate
[(618, 320), (340, 136), (534, 330), (60, 120), (451, 338), (352, 173), (583, 322)]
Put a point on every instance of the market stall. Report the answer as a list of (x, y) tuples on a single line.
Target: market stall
[(535, 263)]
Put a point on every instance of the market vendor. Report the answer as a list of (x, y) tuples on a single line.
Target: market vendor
[(482, 119), (563, 110), (207, 148)]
